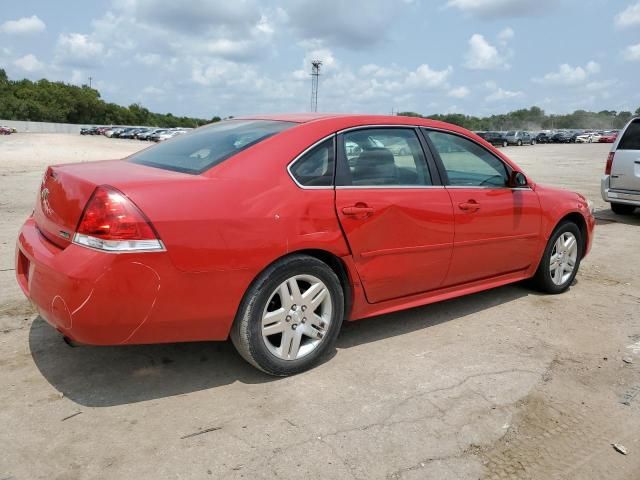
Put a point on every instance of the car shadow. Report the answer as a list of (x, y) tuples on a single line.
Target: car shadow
[(604, 217), (108, 376)]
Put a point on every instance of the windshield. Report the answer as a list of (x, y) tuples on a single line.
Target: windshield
[(208, 146)]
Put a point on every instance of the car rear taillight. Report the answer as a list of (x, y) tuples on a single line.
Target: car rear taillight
[(607, 168), (113, 223)]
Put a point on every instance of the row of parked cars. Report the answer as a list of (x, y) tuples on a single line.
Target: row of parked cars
[(522, 137), (7, 130), (152, 134)]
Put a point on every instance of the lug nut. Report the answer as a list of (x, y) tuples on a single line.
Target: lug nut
[(304, 319), (294, 307), (288, 319), (304, 307)]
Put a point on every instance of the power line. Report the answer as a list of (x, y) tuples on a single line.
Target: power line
[(315, 74)]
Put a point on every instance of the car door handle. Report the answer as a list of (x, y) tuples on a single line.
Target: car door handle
[(356, 210), (470, 206)]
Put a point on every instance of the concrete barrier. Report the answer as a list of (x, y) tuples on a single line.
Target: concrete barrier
[(42, 127)]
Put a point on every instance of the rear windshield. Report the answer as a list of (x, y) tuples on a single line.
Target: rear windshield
[(208, 146), (631, 138)]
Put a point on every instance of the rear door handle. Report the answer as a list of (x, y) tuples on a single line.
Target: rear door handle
[(470, 206), (359, 209)]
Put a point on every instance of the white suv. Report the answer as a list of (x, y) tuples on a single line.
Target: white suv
[(621, 181)]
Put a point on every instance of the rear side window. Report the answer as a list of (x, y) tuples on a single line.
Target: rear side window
[(631, 138), (315, 168), (208, 146), (385, 157)]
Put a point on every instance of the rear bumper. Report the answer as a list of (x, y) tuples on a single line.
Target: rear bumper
[(102, 298), (627, 197)]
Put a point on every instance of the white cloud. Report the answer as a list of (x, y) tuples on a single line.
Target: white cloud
[(629, 17), (23, 25), (500, 8), (500, 94), (77, 49), (29, 63), (570, 76), (459, 92), (632, 53), (425, 77), (484, 56)]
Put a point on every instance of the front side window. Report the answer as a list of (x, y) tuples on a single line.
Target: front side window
[(631, 138), (385, 156), (315, 168), (468, 164), (208, 146)]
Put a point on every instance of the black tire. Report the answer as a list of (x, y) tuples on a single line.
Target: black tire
[(519, 143), (246, 332), (542, 279), (622, 208)]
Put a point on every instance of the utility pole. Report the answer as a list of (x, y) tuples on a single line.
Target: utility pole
[(315, 73), (90, 78)]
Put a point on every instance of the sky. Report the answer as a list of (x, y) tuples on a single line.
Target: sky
[(236, 57)]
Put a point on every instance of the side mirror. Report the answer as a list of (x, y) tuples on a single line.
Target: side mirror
[(518, 180)]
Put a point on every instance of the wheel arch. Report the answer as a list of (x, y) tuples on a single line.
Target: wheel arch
[(578, 219), (334, 262)]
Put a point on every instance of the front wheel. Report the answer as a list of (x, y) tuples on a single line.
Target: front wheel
[(290, 316), (505, 143), (622, 208), (561, 259), (533, 142), (519, 143)]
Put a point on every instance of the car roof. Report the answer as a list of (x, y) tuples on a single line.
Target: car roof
[(345, 120)]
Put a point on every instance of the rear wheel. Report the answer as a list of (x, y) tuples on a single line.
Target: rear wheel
[(290, 316), (533, 142), (561, 259), (519, 143), (622, 208), (505, 143)]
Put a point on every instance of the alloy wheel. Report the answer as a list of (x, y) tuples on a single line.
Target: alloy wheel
[(297, 317), (563, 258)]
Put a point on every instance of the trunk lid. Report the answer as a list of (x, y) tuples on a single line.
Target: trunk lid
[(66, 189)]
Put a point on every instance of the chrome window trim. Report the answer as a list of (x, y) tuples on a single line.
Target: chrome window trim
[(304, 152), (387, 187)]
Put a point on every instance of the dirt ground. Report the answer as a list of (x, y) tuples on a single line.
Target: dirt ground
[(503, 384)]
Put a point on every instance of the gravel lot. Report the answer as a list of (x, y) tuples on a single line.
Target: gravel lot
[(502, 384)]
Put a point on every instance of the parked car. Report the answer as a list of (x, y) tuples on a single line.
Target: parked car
[(85, 131), (586, 137), (608, 137), (6, 130), (620, 184), (494, 138), (145, 135), (155, 137), (518, 137), (561, 137), (543, 137), (293, 239)]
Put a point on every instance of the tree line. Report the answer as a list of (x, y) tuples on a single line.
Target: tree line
[(59, 102), (535, 118)]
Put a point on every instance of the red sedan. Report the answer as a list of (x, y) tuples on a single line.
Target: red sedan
[(608, 137), (272, 230)]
